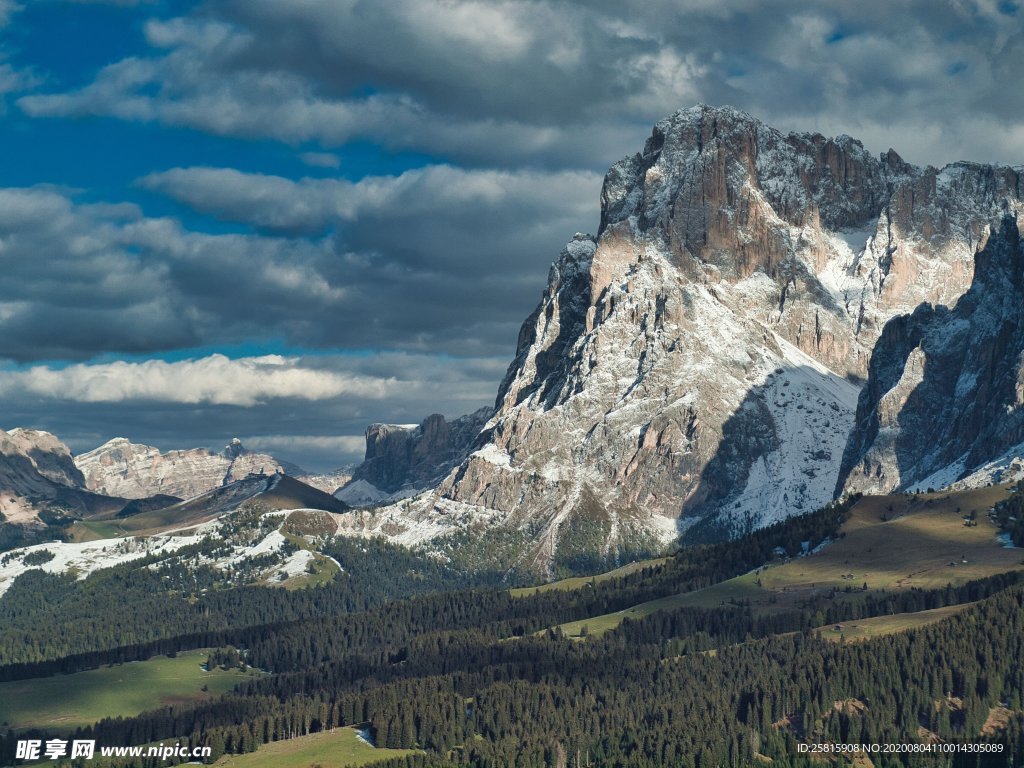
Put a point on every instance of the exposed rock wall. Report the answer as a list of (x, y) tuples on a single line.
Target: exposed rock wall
[(944, 394), (37, 475), (50, 457), (403, 456)]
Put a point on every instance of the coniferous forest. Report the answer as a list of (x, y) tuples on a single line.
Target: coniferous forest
[(470, 675)]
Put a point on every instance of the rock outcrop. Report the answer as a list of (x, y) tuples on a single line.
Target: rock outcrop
[(328, 482), (945, 393), (51, 458), (403, 459), (38, 476), (695, 367)]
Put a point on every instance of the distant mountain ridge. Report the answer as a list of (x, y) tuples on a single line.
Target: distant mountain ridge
[(43, 493), (38, 476), (134, 471), (50, 457)]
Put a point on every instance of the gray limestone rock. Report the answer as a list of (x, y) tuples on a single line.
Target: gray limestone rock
[(412, 457), (133, 471), (944, 391)]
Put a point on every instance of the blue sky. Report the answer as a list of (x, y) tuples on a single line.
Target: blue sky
[(282, 221)]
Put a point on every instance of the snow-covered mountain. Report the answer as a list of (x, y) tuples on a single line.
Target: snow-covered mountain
[(246, 523), (41, 482), (134, 471), (696, 367)]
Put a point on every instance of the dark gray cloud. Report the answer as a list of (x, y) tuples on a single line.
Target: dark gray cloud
[(439, 259), (573, 84), (84, 279)]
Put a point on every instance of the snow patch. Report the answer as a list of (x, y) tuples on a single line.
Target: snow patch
[(272, 542), (493, 454), (1008, 467), (86, 557), (360, 493), (813, 410), (296, 563), (853, 242)]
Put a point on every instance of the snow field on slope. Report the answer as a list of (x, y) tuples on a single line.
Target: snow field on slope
[(813, 411)]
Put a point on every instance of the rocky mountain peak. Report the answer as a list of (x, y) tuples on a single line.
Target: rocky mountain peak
[(697, 368), (50, 457), (410, 457), (37, 475), (234, 449), (710, 178)]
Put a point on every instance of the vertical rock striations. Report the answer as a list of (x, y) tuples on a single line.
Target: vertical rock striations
[(50, 457), (404, 459), (945, 392), (40, 483)]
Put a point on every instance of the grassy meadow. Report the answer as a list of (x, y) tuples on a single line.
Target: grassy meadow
[(65, 702), (340, 748), (889, 543)]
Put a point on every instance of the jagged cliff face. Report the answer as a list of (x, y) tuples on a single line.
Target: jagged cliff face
[(946, 390), (132, 471), (403, 459), (695, 367), (23, 486), (49, 456)]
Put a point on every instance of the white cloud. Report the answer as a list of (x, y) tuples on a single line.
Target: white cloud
[(493, 30), (286, 107), (290, 445), (562, 83), (215, 379), (482, 66), (7, 9), (309, 410), (13, 80)]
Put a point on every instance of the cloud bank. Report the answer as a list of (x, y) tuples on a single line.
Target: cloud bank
[(567, 83), (215, 380), (439, 258), (312, 410)]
